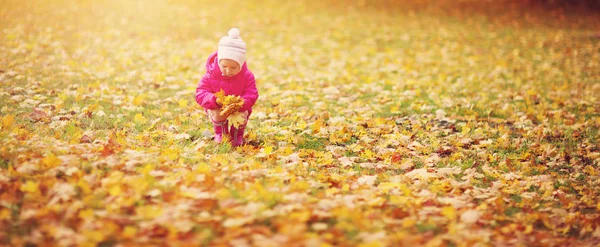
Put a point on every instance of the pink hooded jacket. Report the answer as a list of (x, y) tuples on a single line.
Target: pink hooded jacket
[(242, 84)]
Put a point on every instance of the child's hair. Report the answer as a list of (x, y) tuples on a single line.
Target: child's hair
[(232, 47)]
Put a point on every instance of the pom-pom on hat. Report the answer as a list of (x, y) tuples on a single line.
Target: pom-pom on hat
[(232, 47)]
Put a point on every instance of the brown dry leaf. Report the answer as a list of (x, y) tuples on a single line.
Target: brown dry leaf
[(39, 116)]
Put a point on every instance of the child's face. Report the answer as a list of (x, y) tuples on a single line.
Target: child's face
[(229, 67)]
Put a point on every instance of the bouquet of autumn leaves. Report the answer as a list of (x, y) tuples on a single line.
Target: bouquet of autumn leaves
[(230, 106)]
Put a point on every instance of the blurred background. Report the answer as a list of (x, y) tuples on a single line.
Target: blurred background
[(406, 44)]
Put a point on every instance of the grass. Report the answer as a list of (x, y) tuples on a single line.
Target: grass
[(312, 142)]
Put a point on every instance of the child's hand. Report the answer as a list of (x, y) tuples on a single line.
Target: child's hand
[(216, 115)]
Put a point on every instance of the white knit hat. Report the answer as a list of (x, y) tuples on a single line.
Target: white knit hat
[(232, 47)]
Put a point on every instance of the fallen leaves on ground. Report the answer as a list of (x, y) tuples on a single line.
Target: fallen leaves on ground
[(460, 123)]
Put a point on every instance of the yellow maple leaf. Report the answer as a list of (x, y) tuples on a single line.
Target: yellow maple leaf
[(146, 169), (220, 96), (138, 100), (268, 150), (409, 222), (236, 119), (139, 184), (301, 186), (139, 119), (86, 213), (115, 190), (316, 127), (8, 120), (345, 187), (449, 212), (170, 153), (94, 236), (371, 244), (299, 216), (183, 103), (30, 186), (129, 232), (590, 170), (4, 214), (83, 186), (51, 161), (148, 212), (385, 187), (465, 130), (367, 154)]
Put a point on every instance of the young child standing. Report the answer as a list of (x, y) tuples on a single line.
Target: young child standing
[(226, 70)]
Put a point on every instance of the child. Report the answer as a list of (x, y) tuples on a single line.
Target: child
[(226, 69)]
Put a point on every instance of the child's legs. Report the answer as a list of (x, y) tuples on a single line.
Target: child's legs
[(219, 123), (238, 133)]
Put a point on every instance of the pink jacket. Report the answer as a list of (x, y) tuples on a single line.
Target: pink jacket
[(242, 84)]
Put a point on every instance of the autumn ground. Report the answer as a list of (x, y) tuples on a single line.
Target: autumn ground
[(440, 124)]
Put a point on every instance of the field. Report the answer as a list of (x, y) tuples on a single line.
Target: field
[(379, 123)]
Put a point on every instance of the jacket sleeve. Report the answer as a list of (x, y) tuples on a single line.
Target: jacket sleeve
[(204, 95), (250, 93)]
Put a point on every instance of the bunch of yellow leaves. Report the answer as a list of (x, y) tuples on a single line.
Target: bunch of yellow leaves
[(230, 106)]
